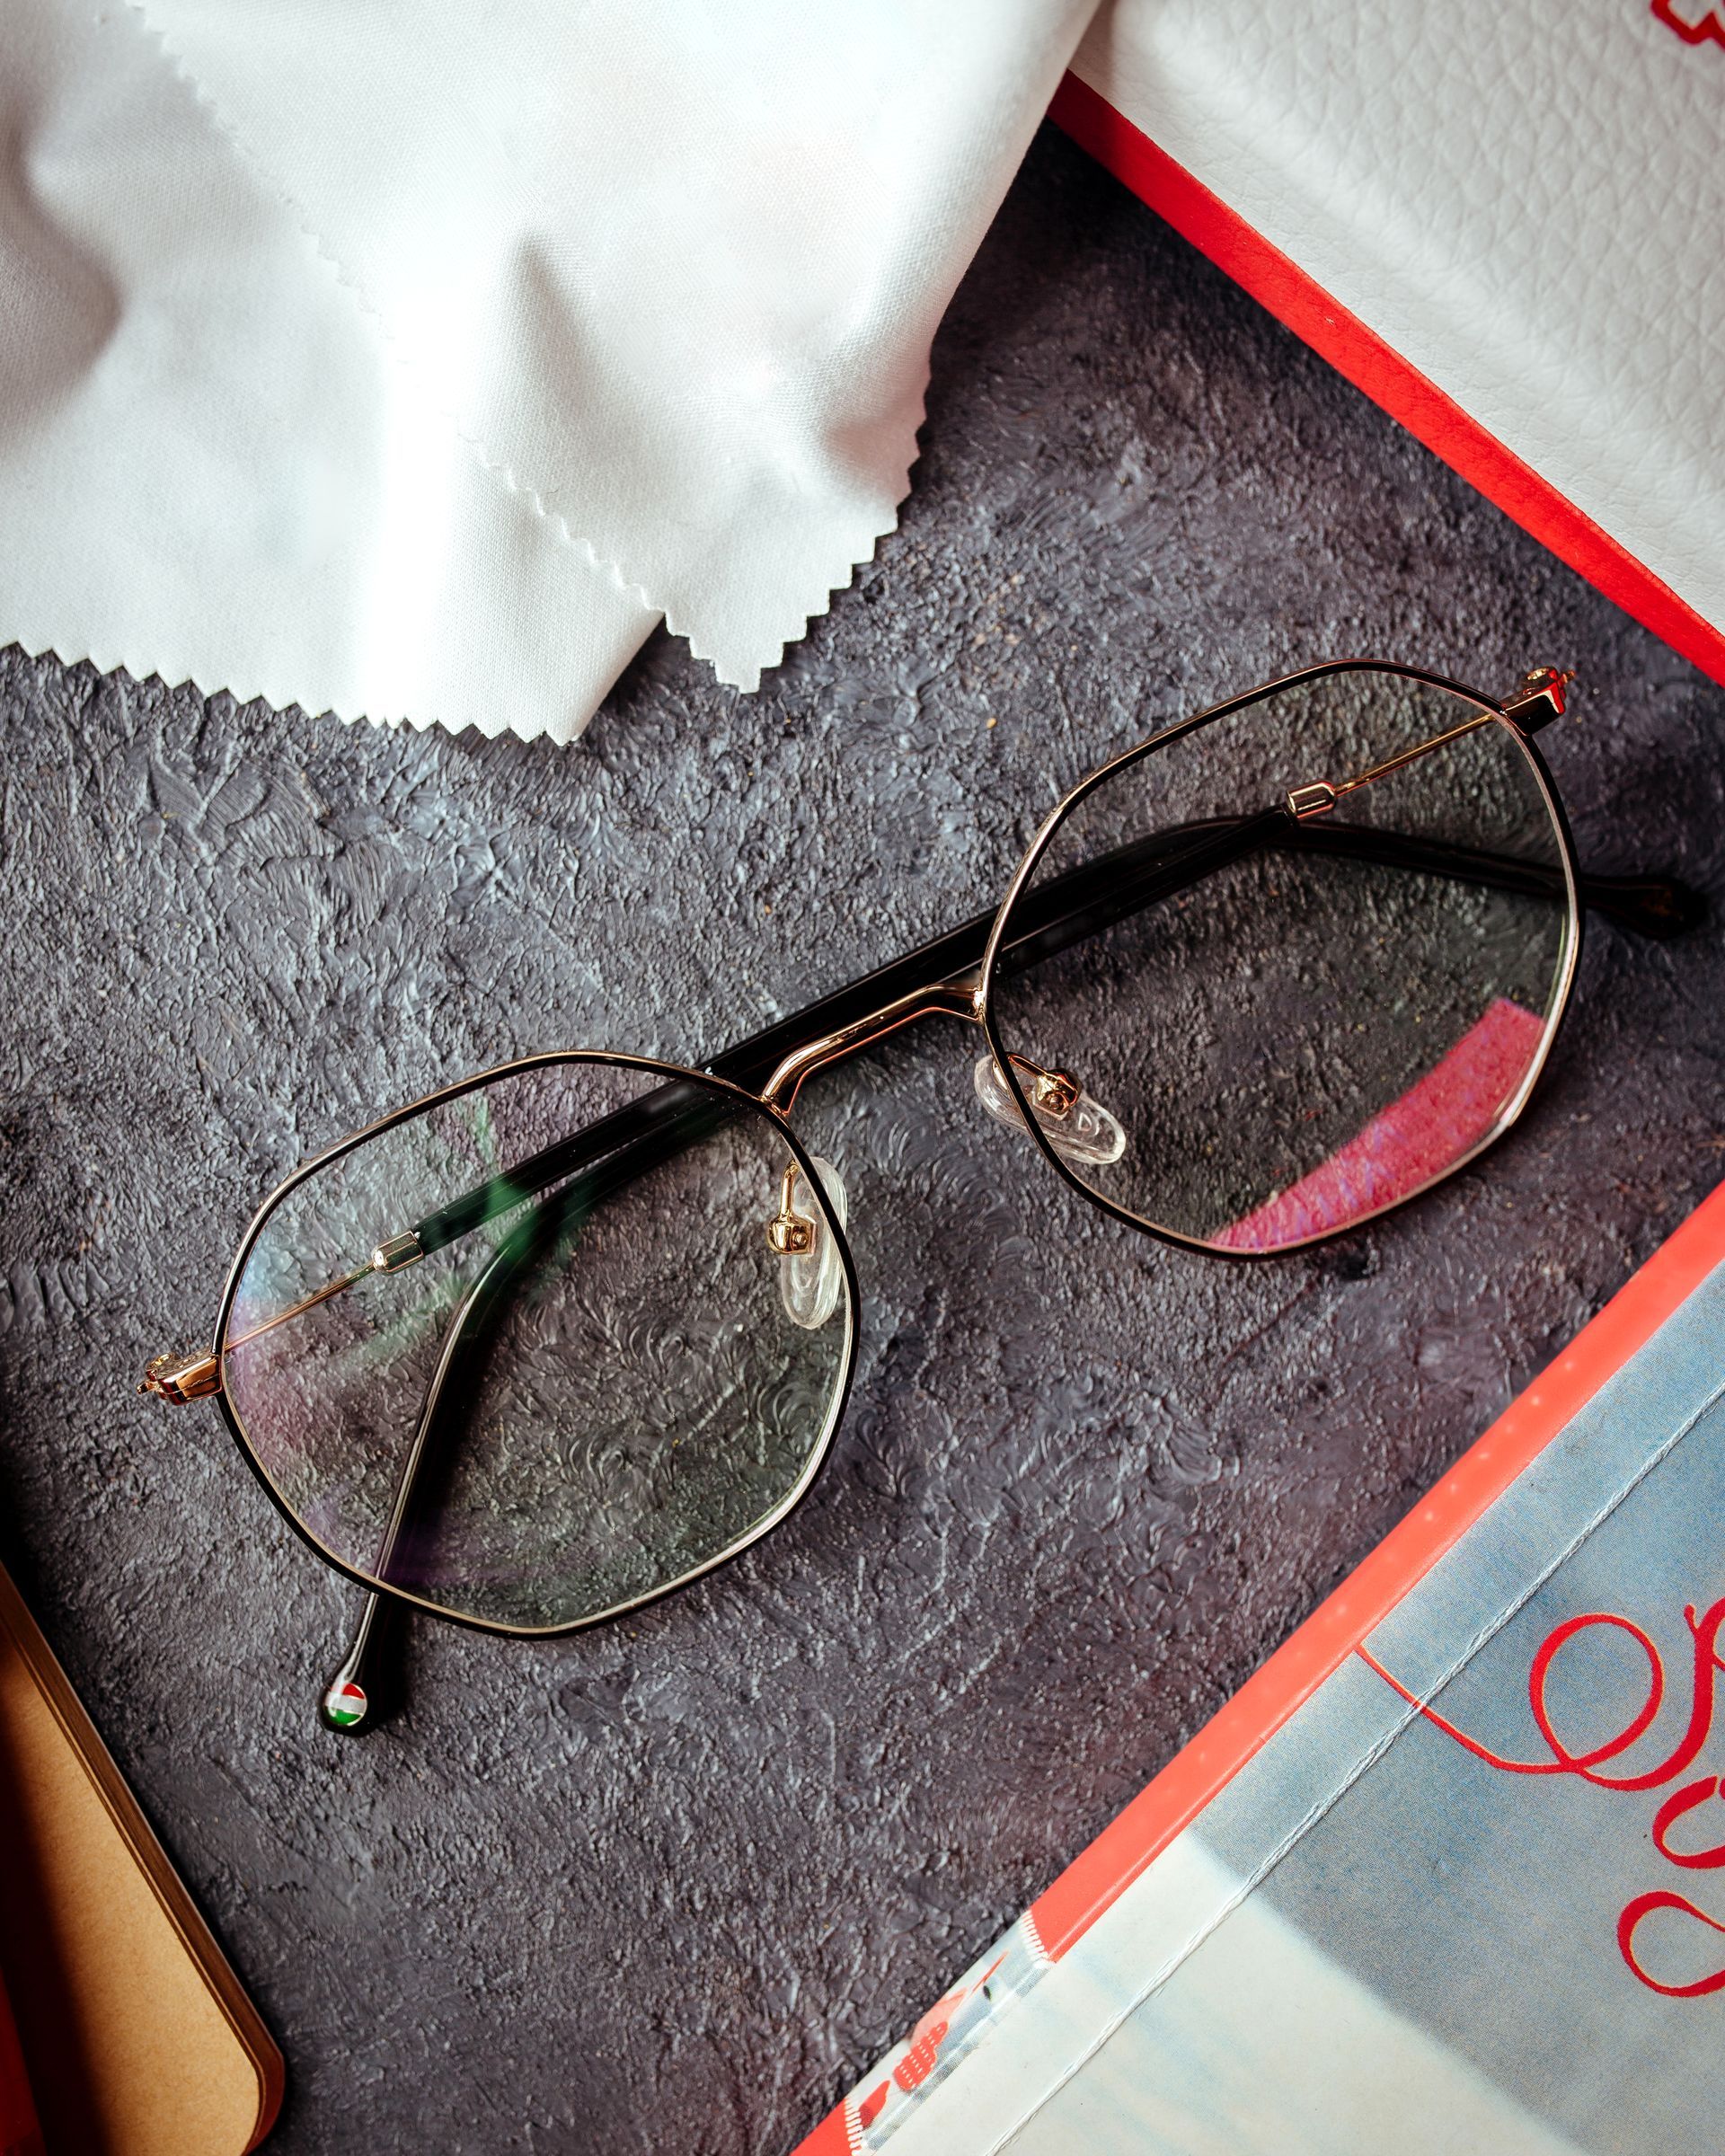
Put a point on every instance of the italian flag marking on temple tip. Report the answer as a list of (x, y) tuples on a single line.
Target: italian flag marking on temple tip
[(345, 1704)]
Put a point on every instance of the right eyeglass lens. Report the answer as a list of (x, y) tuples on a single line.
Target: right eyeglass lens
[(1298, 1018), (588, 1386)]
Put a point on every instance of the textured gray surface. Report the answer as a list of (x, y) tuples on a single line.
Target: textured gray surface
[(672, 1885)]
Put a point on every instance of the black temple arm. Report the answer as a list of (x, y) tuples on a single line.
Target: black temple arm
[(1049, 918)]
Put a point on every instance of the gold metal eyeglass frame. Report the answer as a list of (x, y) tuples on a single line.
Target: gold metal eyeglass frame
[(948, 977)]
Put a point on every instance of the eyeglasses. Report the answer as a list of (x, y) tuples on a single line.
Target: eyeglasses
[(560, 1339)]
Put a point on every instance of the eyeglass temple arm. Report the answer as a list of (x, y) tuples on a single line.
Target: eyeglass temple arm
[(361, 1683), (1081, 901), (627, 1144), (1069, 908), (1658, 907), (487, 1296)]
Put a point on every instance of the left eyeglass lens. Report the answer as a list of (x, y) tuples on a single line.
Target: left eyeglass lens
[(586, 1385)]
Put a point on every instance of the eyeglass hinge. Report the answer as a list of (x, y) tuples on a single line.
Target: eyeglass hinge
[(1315, 800), (182, 1377), (1538, 697)]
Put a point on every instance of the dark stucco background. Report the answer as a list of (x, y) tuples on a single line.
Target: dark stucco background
[(673, 1885)]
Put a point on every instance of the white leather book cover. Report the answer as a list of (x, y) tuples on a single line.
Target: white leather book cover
[(1505, 224)]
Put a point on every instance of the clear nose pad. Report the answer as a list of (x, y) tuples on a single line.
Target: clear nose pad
[(811, 1277), (1079, 1128)]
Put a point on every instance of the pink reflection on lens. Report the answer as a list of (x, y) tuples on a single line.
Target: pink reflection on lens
[(1448, 1112)]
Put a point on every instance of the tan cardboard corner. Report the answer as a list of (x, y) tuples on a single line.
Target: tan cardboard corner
[(137, 2036)]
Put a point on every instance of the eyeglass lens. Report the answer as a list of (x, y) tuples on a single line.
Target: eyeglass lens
[(1306, 957), (542, 1349)]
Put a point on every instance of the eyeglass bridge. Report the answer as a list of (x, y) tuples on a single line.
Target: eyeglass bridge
[(1538, 697)]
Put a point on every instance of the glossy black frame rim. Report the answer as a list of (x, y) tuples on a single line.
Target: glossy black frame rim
[(670, 1070), (1166, 737)]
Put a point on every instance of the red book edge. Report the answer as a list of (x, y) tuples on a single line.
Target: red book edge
[(21, 2135), (1371, 365), (1173, 1798)]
